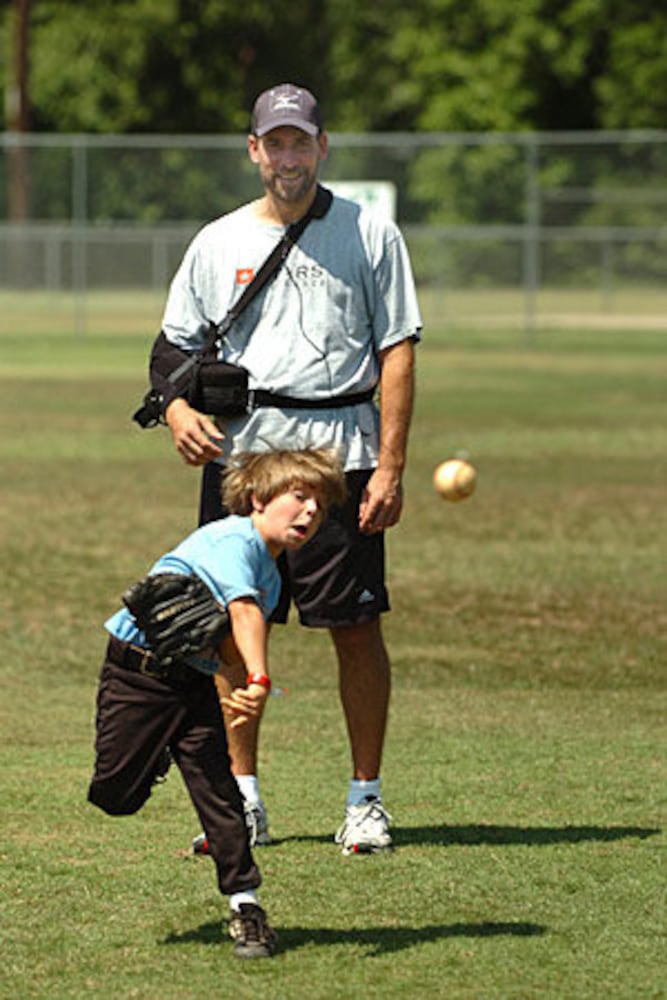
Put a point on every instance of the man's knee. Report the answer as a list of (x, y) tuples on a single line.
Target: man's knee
[(364, 640)]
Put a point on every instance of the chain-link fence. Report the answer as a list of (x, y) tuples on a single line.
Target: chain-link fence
[(525, 229)]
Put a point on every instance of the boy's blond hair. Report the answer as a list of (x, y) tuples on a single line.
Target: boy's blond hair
[(267, 474)]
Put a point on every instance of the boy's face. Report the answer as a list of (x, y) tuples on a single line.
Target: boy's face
[(290, 519)]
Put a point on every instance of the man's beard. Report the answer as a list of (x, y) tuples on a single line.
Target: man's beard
[(291, 192)]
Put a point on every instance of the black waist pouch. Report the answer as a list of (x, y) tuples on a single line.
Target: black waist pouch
[(210, 386), (219, 388)]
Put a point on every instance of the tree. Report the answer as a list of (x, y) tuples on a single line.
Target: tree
[(501, 65), (166, 65), (631, 92), (431, 65), (18, 111)]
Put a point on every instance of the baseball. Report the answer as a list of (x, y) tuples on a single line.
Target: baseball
[(455, 479)]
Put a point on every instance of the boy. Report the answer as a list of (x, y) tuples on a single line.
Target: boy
[(277, 500)]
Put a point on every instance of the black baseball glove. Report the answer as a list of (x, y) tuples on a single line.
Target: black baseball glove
[(179, 616)]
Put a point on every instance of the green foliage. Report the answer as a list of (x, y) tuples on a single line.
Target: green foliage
[(163, 65), (495, 65), (631, 93), (89, 61), (469, 183), (433, 65)]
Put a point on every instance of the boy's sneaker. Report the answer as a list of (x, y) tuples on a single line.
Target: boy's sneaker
[(249, 929), (256, 822), (366, 828)]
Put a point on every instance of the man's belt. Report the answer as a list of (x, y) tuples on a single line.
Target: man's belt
[(262, 397), (142, 661)]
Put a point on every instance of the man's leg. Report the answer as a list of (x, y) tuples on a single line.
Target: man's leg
[(365, 685), (338, 582), (364, 678)]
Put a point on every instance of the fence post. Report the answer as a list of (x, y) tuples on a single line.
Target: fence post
[(79, 220), (531, 242), (607, 270)]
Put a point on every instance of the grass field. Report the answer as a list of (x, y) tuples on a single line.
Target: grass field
[(525, 763), (510, 313)]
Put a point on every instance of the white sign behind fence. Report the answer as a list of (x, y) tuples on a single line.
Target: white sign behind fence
[(377, 195)]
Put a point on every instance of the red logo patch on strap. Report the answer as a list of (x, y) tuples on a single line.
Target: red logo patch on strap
[(244, 275)]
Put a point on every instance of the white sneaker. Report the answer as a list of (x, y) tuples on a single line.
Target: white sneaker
[(365, 829), (256, 822)]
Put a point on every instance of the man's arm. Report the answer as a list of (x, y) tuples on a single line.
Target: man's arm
[(383, 499), (195, 435), (192, 431)]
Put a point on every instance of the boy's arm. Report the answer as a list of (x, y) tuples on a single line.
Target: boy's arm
[(250, 634)]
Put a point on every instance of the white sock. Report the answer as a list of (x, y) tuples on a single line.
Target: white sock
[(249, 787), (360, 789), (236, 898)]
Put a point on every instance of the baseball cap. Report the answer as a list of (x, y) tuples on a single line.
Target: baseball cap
[(286, 105)]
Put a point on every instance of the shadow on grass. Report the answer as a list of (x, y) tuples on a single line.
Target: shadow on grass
[(377, 940), (479, 834), (537, 836)]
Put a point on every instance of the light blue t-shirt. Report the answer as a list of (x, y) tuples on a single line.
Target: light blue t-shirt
[(345, 293), (231, 557)]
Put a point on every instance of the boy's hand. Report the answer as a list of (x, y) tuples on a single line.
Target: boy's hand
[(246, 703)]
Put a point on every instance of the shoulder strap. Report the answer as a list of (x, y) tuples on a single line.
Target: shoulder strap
[(275, 260), (149, 414)]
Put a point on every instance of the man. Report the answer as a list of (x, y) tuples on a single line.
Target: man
[(339, 318)]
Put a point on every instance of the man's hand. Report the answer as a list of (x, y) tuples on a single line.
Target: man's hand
[(382, 502), (196, 438)]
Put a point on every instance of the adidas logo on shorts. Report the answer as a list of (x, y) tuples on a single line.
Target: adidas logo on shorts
[(365, 597)]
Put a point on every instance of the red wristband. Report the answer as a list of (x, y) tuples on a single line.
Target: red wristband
[(259, 679)]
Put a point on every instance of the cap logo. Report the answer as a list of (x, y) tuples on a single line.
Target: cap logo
[(286, 102)]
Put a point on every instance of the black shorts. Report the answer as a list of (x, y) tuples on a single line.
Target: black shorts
[(338, 577)]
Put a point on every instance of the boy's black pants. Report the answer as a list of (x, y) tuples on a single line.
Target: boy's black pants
[(137, 718)]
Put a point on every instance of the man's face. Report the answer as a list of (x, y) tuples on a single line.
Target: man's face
[(288, 161)]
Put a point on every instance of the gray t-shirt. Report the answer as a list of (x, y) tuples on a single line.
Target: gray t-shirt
[(345, 293)]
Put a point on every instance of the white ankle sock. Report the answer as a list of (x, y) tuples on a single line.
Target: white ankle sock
[(236, 898), (360, 789), (249, 787)]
